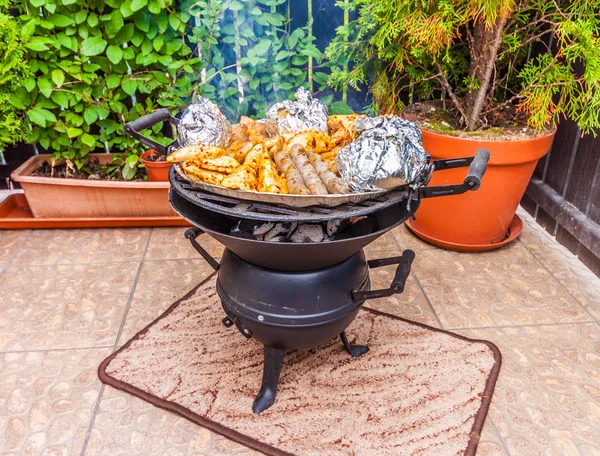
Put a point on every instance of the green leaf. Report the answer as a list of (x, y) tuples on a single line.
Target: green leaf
[(339, 107), (128, 172), (40, 116), (29, 84), (58, 77), (88, 140), (93, 45), (90, 115), (61, 98), (36, 45), (27, 30), (37, 3), (129, 86), (158, 43), (137, 5), (45, 87), (132, 160), (262, 47), (114, 54), (81, 16), (125, 9), (112, 81), (60, 20), (312, 51), (74, 132), (92, 20)]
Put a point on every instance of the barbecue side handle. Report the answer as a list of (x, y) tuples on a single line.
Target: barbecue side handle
[(477, 167), (191, 235), (404, 263), (149, 120)]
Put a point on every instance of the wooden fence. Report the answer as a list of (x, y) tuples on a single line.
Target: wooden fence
[(564, 194)]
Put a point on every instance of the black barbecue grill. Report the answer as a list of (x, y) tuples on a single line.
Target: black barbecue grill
[(300, 295)]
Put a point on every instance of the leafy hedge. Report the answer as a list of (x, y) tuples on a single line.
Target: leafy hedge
[(13, 68), (97, 64)]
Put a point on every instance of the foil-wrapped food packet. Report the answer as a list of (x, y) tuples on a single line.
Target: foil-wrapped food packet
[(306, 113), (388, 153), (203, 123)]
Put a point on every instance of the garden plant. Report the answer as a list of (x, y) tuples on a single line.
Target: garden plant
[(528, 61)]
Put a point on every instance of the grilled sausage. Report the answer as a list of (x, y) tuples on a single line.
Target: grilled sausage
[(294, 178), (333, 183), (307, 170)]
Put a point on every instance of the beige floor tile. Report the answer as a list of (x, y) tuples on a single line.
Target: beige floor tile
[(384, 243), (169, 243), (489, 442), (46, 247), (407, 240), (581, 283), (411, 304), (46, 400), (63, 306), (160, 284), (503, 287), (547, 400), (10, 241), (126, 425)]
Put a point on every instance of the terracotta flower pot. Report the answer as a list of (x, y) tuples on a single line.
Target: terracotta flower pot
[(479, 220), (158, 171), (59, 198)]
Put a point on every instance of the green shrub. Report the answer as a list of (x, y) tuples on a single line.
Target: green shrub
[(478, 54), (97, 64), (13, 69)]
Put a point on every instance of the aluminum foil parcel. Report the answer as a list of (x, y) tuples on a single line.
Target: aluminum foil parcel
[(203, 123), (388, 153), (306, 113)]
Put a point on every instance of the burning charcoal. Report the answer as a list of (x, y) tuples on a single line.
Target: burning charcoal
[(361, 227), (281, 229), (240, 232), (335, 226), (260, 230), (308, 232), (203, 123)]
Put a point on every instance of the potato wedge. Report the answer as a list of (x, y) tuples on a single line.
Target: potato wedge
[(195, 152), (243, 178), (202, 175), (224, 164)]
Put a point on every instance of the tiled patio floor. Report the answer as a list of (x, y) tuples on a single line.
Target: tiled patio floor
[(69, 298)]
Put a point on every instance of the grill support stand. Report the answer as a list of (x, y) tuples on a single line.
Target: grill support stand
[(353, 349), (271, 371)]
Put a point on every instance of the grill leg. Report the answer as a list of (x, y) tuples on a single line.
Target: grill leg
[(271, 370), (354, 350)]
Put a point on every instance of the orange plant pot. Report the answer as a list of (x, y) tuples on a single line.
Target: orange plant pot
[(157, 171), (475, 220), (50, 197)]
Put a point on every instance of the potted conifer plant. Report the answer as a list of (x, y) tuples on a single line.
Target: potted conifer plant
[(496, 74)]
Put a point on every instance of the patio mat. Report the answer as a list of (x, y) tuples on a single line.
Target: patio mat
[(419, 390)]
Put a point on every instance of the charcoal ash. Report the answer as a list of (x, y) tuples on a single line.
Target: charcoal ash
[(332, 230), (309, 232)]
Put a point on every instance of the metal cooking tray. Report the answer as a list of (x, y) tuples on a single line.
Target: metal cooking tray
[(276, 198)]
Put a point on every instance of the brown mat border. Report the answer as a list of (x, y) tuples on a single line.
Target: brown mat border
[(268, 449)]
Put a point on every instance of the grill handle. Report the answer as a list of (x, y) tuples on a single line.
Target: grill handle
[(404, 263), (133, 128), (191, 234), (477, 167)]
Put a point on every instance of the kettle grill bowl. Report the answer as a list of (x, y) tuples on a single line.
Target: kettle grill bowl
[(283, 255)]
